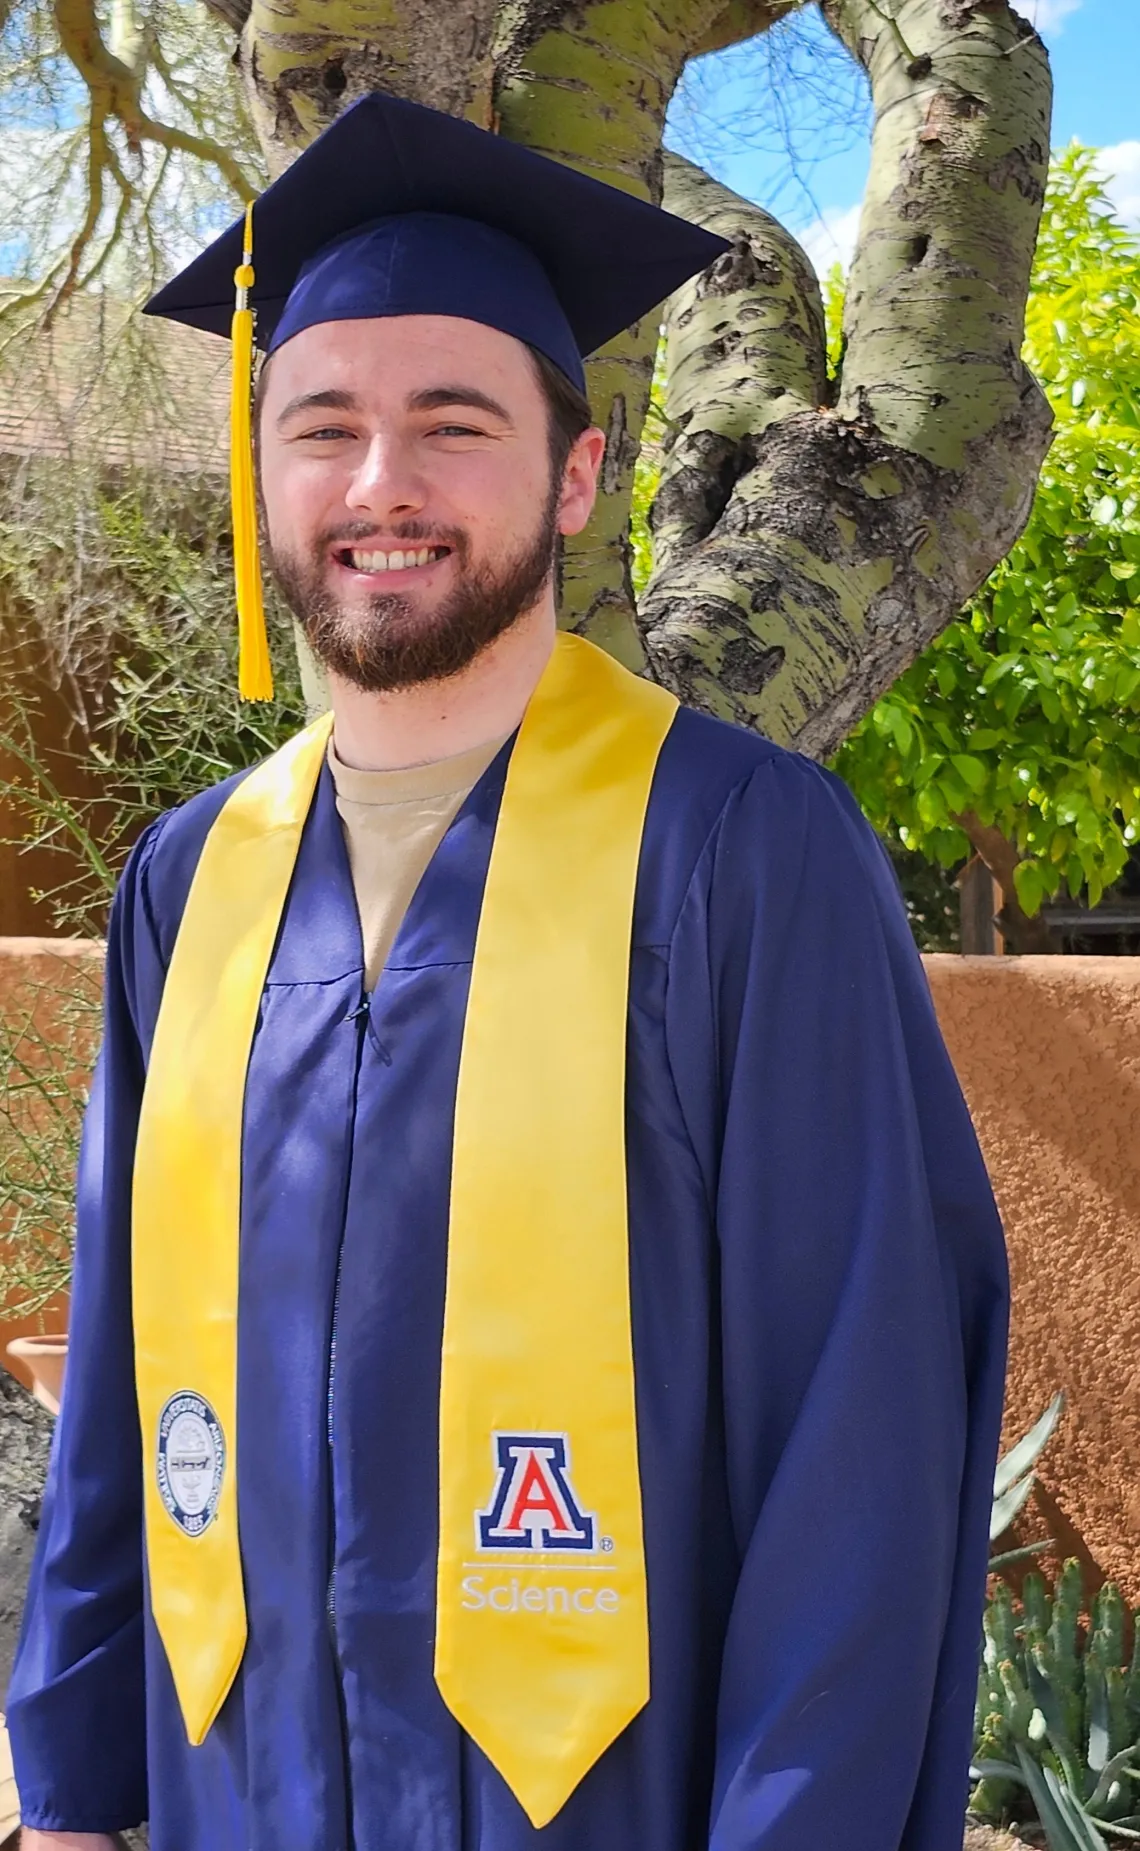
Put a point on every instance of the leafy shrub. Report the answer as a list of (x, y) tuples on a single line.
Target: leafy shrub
[(46, 1045), (138, 626), (1025, 711), (142, 636)]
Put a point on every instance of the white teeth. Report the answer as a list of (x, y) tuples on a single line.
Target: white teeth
[(391, 562)]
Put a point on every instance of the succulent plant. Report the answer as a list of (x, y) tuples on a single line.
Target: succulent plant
[(1015, 1478), (1058, 1713)]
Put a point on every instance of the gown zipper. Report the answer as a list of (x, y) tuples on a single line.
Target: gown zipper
[(359, 1018)]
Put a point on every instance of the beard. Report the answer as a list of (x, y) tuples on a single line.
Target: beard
[(391, 640)]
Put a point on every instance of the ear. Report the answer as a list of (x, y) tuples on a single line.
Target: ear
[(580, 480)]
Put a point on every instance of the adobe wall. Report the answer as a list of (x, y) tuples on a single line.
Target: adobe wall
[(1048, 1053), (26, 872)]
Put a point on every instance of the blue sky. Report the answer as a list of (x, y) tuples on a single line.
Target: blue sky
[(785, 119)]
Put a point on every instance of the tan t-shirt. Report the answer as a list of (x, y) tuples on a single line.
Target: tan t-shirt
[(393, 823)]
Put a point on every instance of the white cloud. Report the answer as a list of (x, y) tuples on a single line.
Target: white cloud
[(1049, 16), (1119, 168), (831, 238)]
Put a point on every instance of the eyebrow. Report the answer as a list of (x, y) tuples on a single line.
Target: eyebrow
[(434, 398), (333, 398)]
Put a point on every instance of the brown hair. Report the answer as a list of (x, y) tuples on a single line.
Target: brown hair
[(567, 410)]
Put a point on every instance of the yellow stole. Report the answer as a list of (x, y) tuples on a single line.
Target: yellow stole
[(542, 1643)]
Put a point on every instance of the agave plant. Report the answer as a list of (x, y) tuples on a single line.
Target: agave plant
[(1015, 1479), (1058, 1713)]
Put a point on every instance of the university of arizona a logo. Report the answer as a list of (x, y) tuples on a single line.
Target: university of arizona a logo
[(533, 1505)]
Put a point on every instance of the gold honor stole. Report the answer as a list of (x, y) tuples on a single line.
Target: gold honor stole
[(542, 1634)]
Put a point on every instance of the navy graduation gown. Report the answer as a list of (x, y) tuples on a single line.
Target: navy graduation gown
[(819, 1308)]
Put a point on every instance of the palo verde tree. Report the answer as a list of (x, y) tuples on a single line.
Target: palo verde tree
[(811, 535)]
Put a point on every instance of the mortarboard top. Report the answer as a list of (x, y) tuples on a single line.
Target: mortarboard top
[(397, 209)]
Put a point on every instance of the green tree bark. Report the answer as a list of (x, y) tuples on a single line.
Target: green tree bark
[(811, 536)]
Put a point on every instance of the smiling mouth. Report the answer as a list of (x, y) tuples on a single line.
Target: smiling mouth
[(399, 559)]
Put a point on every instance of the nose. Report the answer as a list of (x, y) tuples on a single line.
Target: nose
[(386, 485)]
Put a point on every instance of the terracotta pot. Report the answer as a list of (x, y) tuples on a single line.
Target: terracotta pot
[(51, 1317), (45, 1358)]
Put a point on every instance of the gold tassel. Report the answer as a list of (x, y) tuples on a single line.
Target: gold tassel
[(255, 676)]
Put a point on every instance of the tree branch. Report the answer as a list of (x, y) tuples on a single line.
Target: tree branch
[(304, 61), (934, 313), (840, 541), (740, 20), (233, 13), (1027, 936), (745, 348), (113, 85), (115, 90), (97, 164), (589, 85), (203, 148)]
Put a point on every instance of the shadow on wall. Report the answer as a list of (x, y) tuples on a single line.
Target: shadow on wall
[(1048, 1053)]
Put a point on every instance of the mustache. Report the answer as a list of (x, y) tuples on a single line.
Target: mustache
[(355, 533)]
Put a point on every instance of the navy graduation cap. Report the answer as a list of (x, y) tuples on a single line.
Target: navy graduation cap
[(400, 210)]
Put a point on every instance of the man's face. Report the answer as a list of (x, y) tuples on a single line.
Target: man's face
[(407, 490)]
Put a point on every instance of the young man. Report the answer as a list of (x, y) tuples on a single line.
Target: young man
[(566, 1304)]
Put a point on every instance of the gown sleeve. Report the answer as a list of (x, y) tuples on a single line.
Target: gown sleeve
[(76, 1712), (863, 1314)]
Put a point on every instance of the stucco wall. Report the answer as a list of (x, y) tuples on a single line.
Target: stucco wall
[(1048, 1052)]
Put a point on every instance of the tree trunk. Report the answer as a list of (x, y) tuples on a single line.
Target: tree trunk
[(811, 536), (997, 853)]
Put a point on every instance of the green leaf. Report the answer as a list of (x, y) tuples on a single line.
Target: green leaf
[(1068, 608), (1019, 1555), (1023, 1456), (901, 728), (930, 764), (1112, 1770), (1006, 1507), (1066, 1829), (1105, 510), (996, 1770), (1029, 883), (972, 771)]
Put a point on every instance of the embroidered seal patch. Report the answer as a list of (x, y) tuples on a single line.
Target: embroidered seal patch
[(191, 1461)]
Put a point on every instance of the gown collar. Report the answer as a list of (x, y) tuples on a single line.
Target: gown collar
[(320, 939)]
